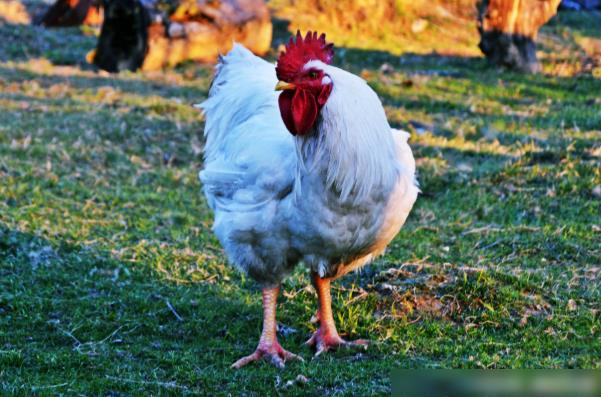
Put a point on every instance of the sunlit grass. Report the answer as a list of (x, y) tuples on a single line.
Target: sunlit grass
[(397, 26), (105, 236)]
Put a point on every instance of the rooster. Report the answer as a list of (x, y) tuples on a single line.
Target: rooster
[(309, 173)]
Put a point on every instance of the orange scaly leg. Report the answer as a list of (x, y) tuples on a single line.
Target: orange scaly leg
[(269, 347), (326, 337)]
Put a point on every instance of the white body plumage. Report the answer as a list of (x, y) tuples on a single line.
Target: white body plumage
[(332, 199)]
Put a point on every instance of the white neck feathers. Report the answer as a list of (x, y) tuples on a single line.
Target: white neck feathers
[(352, 144)]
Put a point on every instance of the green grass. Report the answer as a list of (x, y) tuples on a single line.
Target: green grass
[(103, 228)]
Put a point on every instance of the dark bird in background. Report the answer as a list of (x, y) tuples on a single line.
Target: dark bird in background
[(123, 41)]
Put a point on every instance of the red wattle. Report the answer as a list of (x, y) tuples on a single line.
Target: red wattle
[(299, 110), (285, 102), (304, 111)]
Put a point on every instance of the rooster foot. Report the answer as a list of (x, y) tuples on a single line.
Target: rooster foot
[(273, 353), (326, 342)]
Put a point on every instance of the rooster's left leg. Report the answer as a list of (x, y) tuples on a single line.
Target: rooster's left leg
[(268, 347), (326, 337)]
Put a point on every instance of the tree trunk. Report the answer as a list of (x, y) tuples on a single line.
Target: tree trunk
[(508, 30)]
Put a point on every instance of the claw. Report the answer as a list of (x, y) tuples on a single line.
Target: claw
[(326, 337), (326, 342), (246, 360), (269, 347), (275, 354)]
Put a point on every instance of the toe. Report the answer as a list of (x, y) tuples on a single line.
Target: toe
[(359, 343), (246, 360), (312, 341), (292, 356), (324, 343), (321, 348), (276, 360), (276, 356)]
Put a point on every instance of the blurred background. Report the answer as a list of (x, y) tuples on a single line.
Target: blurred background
[(176, 31)]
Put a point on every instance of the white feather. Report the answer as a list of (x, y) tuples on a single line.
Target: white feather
[(353, 137), (332, 199)]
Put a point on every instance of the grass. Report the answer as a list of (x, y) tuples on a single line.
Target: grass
[(395, 26), (111, 282)]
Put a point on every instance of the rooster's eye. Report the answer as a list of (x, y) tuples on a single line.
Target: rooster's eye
[(313, 75)]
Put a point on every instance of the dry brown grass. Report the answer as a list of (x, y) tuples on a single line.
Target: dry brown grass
[(420, 26)]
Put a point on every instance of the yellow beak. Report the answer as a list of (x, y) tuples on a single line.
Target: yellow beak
[(282, 85)]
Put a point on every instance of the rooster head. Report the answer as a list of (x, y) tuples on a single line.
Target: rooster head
[(305, 89)]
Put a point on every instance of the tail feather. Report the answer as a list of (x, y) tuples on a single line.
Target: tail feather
[(245, 135), (404, 153), (243, 84)]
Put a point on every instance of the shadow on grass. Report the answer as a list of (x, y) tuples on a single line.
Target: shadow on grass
[(82, 300), (580, 23), (136, 85), (61, 46)]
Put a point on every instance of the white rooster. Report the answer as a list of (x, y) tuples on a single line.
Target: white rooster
[(311, 175)]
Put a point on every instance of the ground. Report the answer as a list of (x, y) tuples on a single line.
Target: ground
[(111, 282)]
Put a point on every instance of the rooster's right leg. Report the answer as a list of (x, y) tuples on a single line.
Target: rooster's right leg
[(269, 347), (326, 337)]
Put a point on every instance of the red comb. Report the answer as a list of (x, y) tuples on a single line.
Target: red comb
[(298, 53)]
